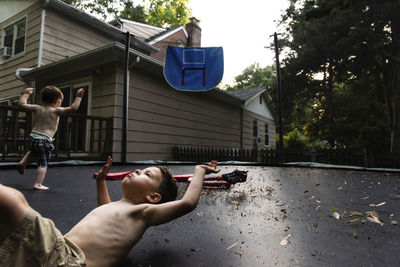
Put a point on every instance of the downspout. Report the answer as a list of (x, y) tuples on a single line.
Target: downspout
[(40, 54), (32, 83), (125, 106)]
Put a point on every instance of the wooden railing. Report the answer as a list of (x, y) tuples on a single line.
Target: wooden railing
[(78, 136)]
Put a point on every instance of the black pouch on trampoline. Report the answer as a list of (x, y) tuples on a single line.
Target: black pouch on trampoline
[(194, 68)]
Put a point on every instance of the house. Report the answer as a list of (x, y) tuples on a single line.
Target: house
[(51, 42), (258, 117)]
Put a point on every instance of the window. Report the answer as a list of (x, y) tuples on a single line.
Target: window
[(14, 37), (266, 135), (255, 133)]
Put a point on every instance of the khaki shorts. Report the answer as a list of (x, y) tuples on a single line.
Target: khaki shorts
[(37, 242)]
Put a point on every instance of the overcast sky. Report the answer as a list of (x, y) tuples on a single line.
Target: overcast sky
[(242, 28)]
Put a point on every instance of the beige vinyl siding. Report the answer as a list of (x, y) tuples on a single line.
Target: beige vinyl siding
[(9, 85), (104, 99), (248, 118), (64, 37), (161, 117)]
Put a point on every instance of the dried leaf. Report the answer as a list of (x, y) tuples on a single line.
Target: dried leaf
[(240, 253), (393, 222), (336, 215), (355, 213), (353, 220), (340, 188), (363, 198), (277, 180), (373, 216), (284, 240), (355, 235), (200, 214), (377, 205)]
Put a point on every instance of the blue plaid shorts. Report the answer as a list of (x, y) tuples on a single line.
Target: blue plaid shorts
[(41, 150)]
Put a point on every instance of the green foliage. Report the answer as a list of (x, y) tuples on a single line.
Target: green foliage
[(102, 8), (296, 141), (160, 13), (135, 13), (168, 13), (338, 75), (255, 76)]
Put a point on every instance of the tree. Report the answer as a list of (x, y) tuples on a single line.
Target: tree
[(168, 13), (255, 76), (160, 13), (353, 47), (102, 8)]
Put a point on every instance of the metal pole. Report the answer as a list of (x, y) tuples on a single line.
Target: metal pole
[(125, 99), (278, 81)]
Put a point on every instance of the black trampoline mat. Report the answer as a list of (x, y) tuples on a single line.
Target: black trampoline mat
[(249, 224)]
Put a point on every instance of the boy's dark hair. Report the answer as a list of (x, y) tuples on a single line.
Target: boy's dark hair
[(50, 94), (168, 188)]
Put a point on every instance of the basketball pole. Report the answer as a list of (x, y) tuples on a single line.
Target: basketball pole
[(278, 82)]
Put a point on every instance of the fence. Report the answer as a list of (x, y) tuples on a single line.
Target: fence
[(199, 154), (78, 136), (351, 157)]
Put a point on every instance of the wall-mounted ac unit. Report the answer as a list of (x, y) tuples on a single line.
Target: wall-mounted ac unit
[(5, 52)]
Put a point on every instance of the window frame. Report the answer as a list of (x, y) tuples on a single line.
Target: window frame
[(14, 26), (266, 135)]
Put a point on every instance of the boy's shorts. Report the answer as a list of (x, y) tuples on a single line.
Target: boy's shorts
[(41, 148), (37, 242)]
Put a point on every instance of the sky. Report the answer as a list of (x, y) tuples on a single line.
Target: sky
[(242, 28)]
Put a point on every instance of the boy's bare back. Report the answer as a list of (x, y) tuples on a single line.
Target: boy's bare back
[(47, 116)]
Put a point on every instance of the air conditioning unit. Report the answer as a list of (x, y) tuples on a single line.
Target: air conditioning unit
[(5, 52)]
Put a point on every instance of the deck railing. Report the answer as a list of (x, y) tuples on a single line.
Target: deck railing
[(78, 136)]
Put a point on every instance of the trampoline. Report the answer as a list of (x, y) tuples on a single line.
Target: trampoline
[(281, 216)]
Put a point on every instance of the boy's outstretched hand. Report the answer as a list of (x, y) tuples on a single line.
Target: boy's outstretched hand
[(104, 171), (211, 167)]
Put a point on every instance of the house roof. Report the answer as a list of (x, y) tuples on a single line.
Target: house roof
[(118, 34), (140, 30), (245, 95), (145, 32)]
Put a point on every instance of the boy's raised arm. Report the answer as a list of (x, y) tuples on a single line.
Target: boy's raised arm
[(101, 186), (23, 101), (163, 213), (75, 105)]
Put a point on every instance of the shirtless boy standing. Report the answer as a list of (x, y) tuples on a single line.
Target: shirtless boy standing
[(47, 116), (107, 233)]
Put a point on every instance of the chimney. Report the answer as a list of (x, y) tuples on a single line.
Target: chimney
[(194, 32)]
